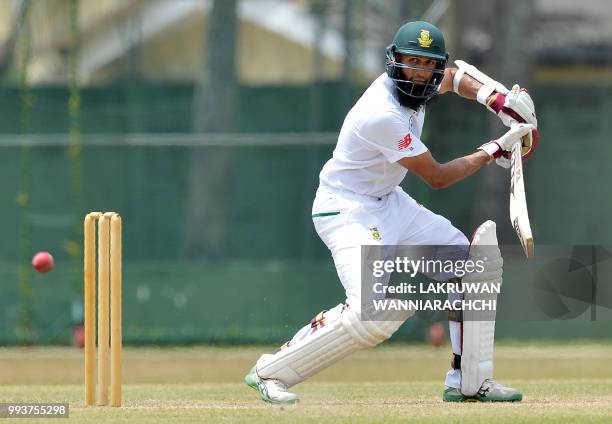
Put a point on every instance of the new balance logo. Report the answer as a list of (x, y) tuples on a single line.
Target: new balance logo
[(405, 142)]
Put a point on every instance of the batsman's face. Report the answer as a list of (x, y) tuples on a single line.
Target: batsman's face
[(419, 69)]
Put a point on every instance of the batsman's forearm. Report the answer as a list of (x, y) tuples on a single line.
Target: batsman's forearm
[(460, 168)]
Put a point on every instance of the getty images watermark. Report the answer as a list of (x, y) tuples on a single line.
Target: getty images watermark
[(430, 279), (34, 410), (455, 269), (562, 282)]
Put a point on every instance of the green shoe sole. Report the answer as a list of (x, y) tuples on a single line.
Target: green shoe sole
[(450, 395)]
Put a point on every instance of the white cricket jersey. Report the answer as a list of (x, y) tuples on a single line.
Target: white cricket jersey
[(376, 133)]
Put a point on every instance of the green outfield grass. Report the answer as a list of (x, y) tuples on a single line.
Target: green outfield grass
[(571, 382)]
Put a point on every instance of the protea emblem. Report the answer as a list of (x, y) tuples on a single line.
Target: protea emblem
[(425, 40), (375, 233)]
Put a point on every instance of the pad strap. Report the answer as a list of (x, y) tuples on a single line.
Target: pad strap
[(318, 321), (455, 314), (456, 362)]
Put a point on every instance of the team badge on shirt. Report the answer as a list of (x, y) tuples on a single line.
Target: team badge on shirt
[(375, 233), (405, 142)]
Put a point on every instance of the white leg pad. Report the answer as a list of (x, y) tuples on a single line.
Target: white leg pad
[(325, 346), (479, 332)]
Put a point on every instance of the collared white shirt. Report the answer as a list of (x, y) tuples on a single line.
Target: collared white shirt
[(376, 133)]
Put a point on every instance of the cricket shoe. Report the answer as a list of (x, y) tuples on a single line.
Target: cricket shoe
[(490, 391), (270, 390)]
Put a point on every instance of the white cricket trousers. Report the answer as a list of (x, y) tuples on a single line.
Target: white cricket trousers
[(346, 220)]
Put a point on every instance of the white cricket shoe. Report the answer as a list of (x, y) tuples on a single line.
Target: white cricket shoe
[(490, 391), (270, 390)]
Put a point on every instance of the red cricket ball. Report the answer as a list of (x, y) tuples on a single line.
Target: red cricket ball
[(43, 262)]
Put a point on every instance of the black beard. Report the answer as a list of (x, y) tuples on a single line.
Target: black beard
[(411, 102)]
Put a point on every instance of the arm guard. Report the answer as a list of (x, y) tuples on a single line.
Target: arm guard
[(509, 106)]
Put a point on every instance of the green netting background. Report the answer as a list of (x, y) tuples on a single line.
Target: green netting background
[(271, 273)]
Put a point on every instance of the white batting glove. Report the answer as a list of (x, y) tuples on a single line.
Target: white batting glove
[(503, 161), (500, 149), (516, 106), (529, 145), (514, 136)]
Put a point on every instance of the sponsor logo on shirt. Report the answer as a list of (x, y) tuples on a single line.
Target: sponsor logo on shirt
[(405, 142)]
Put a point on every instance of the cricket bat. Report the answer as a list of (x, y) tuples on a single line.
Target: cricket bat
[(519, 216)]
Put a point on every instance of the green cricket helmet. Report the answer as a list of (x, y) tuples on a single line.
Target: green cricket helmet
[(417, 39)]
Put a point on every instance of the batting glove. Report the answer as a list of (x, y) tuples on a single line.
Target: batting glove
[(500, 149), (516, 106)]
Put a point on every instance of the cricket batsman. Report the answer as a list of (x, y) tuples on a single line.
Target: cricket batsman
[(359, 202)]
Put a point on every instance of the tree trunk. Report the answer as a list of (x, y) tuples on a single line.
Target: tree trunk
[(206, 229)]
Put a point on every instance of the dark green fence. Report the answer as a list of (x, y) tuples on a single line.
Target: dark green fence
[(269, 273)]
